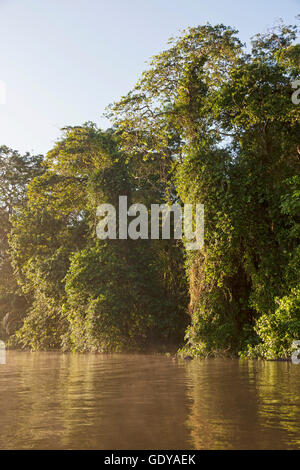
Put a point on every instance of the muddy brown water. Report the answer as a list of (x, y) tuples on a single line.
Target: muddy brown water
[(65, 401)]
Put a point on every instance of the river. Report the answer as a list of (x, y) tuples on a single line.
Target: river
[(94, 401)]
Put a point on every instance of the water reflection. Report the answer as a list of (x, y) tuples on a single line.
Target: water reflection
[(64, 401), (244, 405)]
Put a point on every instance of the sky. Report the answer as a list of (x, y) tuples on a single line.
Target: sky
[(63, 61)]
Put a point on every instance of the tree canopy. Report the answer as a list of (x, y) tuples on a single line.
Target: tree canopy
[(211, 123)]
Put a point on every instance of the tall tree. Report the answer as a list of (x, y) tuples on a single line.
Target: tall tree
[(223, 123), (16, 171), (91, 294)]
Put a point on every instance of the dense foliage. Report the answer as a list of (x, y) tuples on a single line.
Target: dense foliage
[(90, 294), (16, 172), (209, 123)]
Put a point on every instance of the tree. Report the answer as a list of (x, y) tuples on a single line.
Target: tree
[(90, 294), (223, 125), (16, 171)]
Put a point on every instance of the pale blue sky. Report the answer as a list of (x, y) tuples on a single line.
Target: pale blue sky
[(64, 61)]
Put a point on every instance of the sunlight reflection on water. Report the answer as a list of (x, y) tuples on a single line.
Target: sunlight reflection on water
[(65, 401)]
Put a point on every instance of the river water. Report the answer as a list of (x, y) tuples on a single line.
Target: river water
[(65, 401)]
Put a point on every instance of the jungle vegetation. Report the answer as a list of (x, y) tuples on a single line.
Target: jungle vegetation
[(208, 122)]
